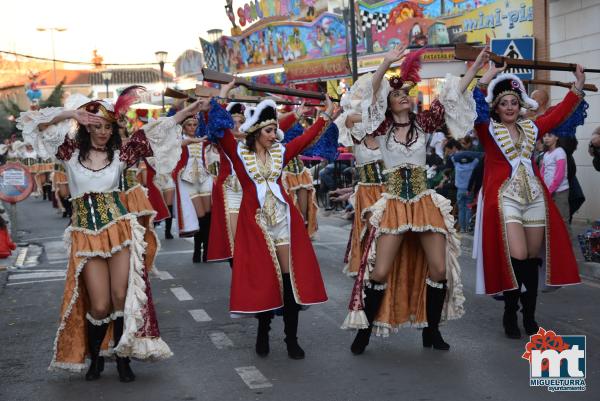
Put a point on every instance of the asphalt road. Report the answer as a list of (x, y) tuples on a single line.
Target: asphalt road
[(214, 354)]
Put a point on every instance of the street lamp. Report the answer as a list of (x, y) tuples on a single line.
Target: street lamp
[(106, 76), (161, 57), (52, 30), (215, 35)]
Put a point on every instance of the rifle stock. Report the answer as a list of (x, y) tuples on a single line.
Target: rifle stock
[(469, 53)]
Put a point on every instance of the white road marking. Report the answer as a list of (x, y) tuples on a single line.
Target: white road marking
[(21, 257), (174, 252), (200, 315), (24, 276), (252, 377), (220, 340), (36, 281), (58, 261), (163, 275), (181, 294), (40, 238)]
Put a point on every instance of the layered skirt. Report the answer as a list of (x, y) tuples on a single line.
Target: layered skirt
[(366, 193), (102, 226), (407, 208)]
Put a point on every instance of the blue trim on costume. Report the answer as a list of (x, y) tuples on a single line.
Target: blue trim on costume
[(577, 118), (482, 107), (202, 128), (326, 146), (295, 131), (219, 119)]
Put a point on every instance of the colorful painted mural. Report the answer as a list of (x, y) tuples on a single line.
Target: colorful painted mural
[(438, 22), (274, 43)]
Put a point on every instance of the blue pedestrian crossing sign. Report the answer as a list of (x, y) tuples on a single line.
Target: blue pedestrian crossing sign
[(518, 48)]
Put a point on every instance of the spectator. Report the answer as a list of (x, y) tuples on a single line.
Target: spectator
[(554, 171), (576, 195), (464, 164)]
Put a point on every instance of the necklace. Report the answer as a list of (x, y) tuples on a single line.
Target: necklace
[(97, 149), (406, 124)]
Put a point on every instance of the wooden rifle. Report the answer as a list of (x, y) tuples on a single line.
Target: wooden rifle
[(469, 53), (169, 92), (586, 87), (222, 78)]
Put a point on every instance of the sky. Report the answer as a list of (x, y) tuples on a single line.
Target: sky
[(123, 31)]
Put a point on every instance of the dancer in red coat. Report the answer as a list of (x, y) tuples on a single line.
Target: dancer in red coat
[(517, 221), (274, 262)]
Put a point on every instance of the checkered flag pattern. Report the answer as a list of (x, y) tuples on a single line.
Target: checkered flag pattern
[(379, 20), (210, 55)]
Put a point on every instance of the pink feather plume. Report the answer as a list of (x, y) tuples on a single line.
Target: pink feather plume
[(411, 65), (128, 97)]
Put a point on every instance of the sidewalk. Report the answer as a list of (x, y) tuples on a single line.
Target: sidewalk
[(589, 270)]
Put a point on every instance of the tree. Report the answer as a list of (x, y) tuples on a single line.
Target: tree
[(9, 111), (55, 98)]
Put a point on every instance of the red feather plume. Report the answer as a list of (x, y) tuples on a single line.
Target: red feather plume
[(128, 97), (411, 65)]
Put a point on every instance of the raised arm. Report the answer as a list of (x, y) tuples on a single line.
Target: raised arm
[(559, 113), (391, 57), (311, 135)]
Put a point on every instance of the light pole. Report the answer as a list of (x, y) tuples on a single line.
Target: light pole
[(215, 37), (161, 57), (106, 76), (353, 41), (43, 29)]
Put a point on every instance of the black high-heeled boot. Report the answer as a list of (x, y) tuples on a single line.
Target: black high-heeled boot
[(529, 297), (290, 320), (262, 335), (205, 235), (511, 302), (96, 330), (197, 256), (169, 223), (373, 297), (436, 294), (125, 373)]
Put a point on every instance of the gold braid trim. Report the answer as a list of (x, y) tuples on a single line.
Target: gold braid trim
[(503, 229)]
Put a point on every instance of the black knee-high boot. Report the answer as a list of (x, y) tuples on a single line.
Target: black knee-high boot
[(511, 302), (373, 296), (529, 297), (169, 223), (197, 257), (47, 188), (262, 335), (125, 373), (436, 294), (68, 207), (96, 330), (290, 319), (205, 235)]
